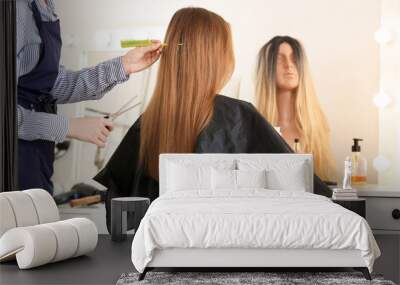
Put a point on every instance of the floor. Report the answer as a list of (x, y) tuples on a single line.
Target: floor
[(102, 266)]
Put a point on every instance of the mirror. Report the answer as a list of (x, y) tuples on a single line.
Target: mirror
[(350, 64)]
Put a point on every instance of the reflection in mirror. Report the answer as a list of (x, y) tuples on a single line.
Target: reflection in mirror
[(344, 60)]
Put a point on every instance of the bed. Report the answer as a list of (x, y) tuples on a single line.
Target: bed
[(247, 211)]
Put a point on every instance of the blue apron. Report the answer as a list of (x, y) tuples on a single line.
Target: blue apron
[(35, 162)]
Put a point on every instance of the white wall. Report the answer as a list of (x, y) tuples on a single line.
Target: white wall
[(338, 37)]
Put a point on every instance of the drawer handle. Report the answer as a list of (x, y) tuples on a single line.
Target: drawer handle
[(396, 214)]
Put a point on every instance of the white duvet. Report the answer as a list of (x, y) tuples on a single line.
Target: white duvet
[(250, 219)]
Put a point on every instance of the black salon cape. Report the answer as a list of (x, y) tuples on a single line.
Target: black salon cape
[(236, 127)]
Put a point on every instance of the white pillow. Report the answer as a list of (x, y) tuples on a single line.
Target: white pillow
[(223, 179), (251, 178), (293, 180), (236, 179), (181, 177), (193, 174), (291, 175)]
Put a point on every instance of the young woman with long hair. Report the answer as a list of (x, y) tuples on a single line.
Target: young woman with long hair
[(186, 114), (193, 69), (286, 97)]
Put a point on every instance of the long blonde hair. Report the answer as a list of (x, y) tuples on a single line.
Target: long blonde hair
[(194, 67), (309, 118)]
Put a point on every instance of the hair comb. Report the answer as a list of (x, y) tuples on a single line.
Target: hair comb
[(140, 43)]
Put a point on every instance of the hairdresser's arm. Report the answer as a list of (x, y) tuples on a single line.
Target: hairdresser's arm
[(92, 83)]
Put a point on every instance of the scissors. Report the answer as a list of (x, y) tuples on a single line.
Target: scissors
[(124, 108)]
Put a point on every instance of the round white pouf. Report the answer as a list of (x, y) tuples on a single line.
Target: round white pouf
[(45, 205), (35, 245), (23, 208), (87, 234), (67, 240), (7, 218)]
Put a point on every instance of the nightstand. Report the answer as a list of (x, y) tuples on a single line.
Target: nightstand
[(355, 205), (382, 214)]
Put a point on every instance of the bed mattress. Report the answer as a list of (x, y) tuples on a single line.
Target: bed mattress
[(250, 219)]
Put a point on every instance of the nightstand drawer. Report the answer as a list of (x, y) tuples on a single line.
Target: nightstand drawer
[(380, 211), (356, 205)]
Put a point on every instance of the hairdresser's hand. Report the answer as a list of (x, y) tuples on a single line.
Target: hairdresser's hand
[(140, 58), (90, 129)]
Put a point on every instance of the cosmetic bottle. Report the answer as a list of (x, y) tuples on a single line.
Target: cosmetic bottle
[(347, 174), (359, 164), (296, 145)]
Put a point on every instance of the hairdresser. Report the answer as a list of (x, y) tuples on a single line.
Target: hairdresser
[(43, 84)]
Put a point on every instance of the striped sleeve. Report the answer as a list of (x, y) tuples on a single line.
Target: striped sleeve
[(88, 83), (36, 125)]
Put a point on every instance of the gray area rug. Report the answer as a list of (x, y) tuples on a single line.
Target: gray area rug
[(232, 278)]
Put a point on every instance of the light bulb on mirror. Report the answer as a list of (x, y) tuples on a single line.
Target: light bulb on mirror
[(383, 36), (382, 100), (381, 163)]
